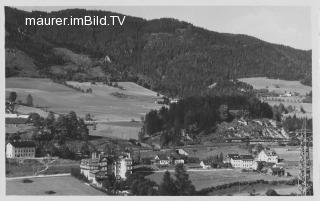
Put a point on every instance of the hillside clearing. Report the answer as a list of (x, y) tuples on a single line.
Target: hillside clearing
[(101, 104), (277, 85)]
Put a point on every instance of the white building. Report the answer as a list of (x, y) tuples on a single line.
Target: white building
[(268, 156), (99, 167), (123, 165), (204, 166), (241, 161), (21, 149)]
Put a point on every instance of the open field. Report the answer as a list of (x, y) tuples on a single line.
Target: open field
[(203, 152), (279, 86), (30, 167), (102, 104), (64, 185), (123, 130), (27, 168), (291, 156), (257, 189), (214, 177)]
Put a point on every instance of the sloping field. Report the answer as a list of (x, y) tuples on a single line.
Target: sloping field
[(279, 86), (64, 185), (102, 104)]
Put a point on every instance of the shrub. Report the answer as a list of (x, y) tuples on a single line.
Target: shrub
[(27, 181), (272, 192), (50, 192)]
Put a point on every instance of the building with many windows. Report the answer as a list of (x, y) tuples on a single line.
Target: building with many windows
[(100, 166), (123, 166), (241, 161), (21, 149)]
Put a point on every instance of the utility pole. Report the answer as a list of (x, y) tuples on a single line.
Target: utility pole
[(304, 167)]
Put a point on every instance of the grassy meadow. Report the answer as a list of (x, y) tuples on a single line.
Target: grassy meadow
[(64, 185), (102, 103)]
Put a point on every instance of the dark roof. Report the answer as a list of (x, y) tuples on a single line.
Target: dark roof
[(233, 156), (16, 120), (163, 157), (270, 153), (246, 157), (23, 144), (175, 155)]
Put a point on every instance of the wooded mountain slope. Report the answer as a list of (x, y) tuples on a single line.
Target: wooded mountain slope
[(170, 56)]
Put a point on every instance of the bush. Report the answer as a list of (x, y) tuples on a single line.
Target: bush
[(27, 181), (272, 192), (50, 192)]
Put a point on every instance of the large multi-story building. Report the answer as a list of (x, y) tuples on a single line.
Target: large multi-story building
[(21, 149), (122, 166), (100, 166), (241, 161)]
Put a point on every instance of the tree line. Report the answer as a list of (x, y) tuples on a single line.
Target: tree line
[(52, 130), (199, 114)]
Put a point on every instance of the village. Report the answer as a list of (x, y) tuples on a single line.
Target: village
[(97, 167), (41, 143), (161, 105)]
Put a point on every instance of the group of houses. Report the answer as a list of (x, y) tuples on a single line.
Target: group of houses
[(99, 166), (250, 162), (268, 158), (165, 159)]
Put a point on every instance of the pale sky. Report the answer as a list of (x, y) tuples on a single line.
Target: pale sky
[(282, 25)]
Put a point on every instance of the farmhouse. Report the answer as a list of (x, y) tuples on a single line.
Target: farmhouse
[(268, 156), (21, 149), (204, 165), (175, 158), (241, 161), (276, 171), (161, 160)]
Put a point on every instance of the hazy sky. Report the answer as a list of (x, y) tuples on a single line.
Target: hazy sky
[(283, 25)]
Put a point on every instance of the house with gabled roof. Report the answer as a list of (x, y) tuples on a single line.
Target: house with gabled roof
[(268, 156), (175, 158), (21, 149), (161, 160)]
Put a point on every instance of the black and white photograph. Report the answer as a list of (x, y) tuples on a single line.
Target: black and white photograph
[(167, 100)]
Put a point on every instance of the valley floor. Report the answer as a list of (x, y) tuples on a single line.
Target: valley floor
[(64, 185)]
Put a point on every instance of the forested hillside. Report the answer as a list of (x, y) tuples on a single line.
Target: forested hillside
[(170, 56)]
